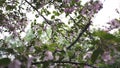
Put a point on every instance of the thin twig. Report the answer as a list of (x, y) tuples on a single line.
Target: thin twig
[(38, 12), (80, 34), (67, 62)]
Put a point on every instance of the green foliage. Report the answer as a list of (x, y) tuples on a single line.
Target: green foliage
[(96, 54), (104, 35), (56, 13), (9, 7), (9, 50), (5, 61), (2, 2)]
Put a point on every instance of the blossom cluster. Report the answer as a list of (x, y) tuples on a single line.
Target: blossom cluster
[(113, 24), (69, 9), (107, 58), (68, 1), (91, 8)]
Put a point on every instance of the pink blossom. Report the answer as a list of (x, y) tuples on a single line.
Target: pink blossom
[(33, 66), (114, 23), (87, 66), (106, 56), (48, 56), (67, 1), (29, 61), (97, 6), (111, 61), (15, 64), (69, 10), (91, 8), (76, 0), (84, 11)]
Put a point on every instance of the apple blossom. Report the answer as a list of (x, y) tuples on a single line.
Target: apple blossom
[(91, 8), (69, 10), (97, 6), (87, 66), (114, 24), (15, 64), (68, 1), (106, 56), (48, 56), (29, 61)]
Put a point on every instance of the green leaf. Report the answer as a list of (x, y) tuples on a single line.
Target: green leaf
[(56, 13), (104, 35), (5, 61), (36, 15), (70, 54), (1, 11), (20, 49), (46, 65), (52, 46), (29, 35), (9, 50), (21, 57), (47, 13), (95, 54), (2, 2), (118, 48), (38, 49), (68, 66), (52, 17), (59, 0), (9, 7), (39, 32)]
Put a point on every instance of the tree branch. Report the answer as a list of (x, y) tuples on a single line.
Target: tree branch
[(67, 62), (80, 34), (48, 22)]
